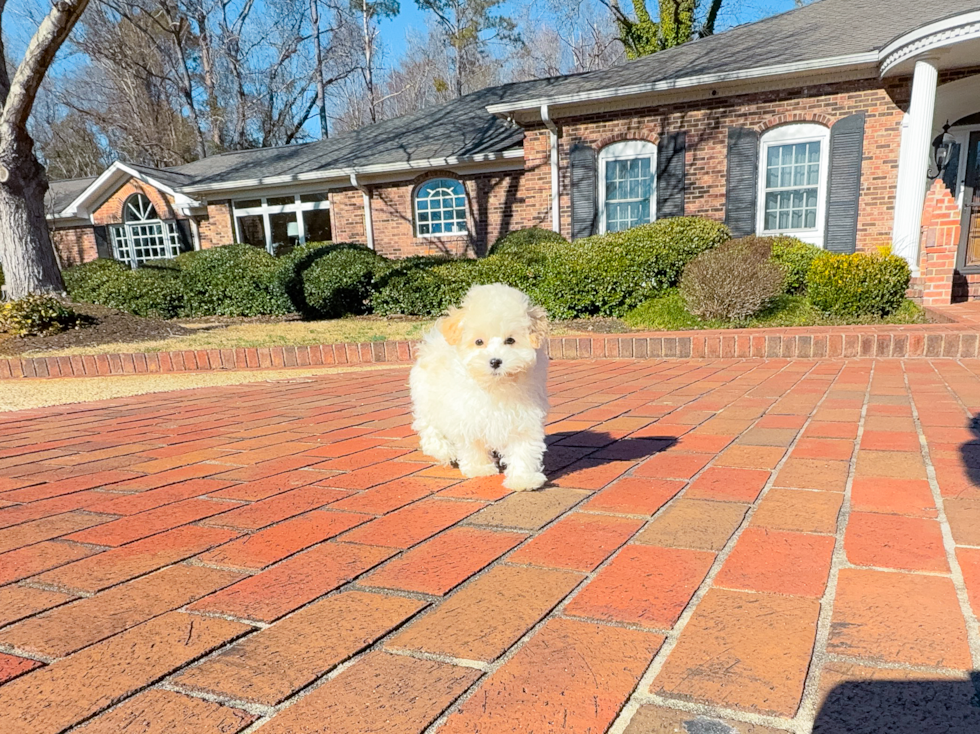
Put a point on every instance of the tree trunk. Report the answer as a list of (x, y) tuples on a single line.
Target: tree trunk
[(26, 253), (321, 94)]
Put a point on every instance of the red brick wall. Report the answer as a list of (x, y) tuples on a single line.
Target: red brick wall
[(216, 227), (940, 241), (707, 124), (75, 245), (495, 205)]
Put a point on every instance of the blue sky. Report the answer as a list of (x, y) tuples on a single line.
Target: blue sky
[(410, 19), (18, 28)]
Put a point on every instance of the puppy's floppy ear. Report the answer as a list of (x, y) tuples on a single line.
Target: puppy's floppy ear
[(451, 326), (538, 331)]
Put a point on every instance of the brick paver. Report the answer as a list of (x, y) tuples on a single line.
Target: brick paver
[(726, 546)]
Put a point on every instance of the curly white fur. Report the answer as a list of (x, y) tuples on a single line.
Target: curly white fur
[(479, 387)]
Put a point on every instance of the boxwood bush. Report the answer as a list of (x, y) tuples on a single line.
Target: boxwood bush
[(422, 286), (330, 281), (607, 275), (734, 281), (858, 284), (86, 283), (150, 291), (795, 257), (533, 243), (233, 280)]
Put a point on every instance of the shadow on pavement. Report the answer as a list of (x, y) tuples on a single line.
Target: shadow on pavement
[(902, 707)]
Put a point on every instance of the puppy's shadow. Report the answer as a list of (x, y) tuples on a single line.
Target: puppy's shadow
[(593, 448)]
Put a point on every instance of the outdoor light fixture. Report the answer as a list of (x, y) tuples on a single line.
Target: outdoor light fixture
[(942, 146)]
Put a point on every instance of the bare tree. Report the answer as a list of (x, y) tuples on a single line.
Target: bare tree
[(28, 258)]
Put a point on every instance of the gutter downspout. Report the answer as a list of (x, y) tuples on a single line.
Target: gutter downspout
[(368, 219), (555, 200)]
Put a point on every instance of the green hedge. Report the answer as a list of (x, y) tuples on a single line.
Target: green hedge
[(607, 275), (858, 284), (329, 281), (233, 280), (600, 275), (795, 257)]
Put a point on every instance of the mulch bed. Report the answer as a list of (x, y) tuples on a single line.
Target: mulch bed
[(108, 326)]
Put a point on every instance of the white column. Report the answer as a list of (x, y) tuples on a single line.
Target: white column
[(910, 195)]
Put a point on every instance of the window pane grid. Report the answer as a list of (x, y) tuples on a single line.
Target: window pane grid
[(792, 182), (629, 185), (440, 208)]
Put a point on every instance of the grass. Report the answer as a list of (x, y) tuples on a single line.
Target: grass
[(215, 335), (668, 313)]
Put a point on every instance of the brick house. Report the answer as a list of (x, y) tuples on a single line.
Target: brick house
[(823, 122)]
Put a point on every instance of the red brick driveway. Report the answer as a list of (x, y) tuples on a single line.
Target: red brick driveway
[(752, 547)]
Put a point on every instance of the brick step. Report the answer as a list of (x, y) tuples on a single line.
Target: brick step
[(953, 341)]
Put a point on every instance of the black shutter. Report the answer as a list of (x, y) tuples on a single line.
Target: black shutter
[(671, 175), (742, 181), (186, 238), (102, 246), (844, 183), (951, 173), (583, 162)]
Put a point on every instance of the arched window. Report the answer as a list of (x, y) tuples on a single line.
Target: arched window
[(793, 181), (440, 208), (143, 235), (139, 209), (627, 185)]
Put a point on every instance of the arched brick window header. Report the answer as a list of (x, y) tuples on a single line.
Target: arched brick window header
[(795, 117)]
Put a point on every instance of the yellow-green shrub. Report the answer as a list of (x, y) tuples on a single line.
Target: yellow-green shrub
[(858, 284), (36, 315)]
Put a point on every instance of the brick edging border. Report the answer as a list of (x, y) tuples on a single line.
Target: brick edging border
[(935, 342)]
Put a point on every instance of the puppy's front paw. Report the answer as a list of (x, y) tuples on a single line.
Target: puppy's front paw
[(471, 471), (521, 482)]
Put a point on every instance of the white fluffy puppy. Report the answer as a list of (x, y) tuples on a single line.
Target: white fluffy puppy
[(479, 386)]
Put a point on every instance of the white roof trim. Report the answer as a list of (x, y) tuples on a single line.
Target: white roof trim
[(940, 34), (111, 176), (869, 59), (345, 173)]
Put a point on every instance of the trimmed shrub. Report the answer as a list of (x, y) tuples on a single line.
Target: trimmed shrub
[(233, 280), (533, 243), (858, 284), (85, 283), (152, 290), (607, 275), (422, 286), (733, 281), (37, 315), (795, 257), (145, 292), (336, 280)]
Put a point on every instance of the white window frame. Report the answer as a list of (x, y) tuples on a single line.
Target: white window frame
[(439, 235), (804, 132), (125, 235), (624, 151), (265, 209)]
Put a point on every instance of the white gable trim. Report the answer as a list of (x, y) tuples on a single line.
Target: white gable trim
[(85, 204)]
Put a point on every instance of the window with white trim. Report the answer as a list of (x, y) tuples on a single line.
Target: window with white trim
[(793, 181), (143, 235), (627, 185), (440, 208), (275, 221)]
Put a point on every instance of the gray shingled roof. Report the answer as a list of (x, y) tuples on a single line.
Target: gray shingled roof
[(64, 192), (825, 29), (462, 127)]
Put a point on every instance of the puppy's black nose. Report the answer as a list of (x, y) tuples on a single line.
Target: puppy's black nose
[(495, 363)]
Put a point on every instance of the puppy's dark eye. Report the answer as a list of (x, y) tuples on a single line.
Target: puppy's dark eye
[(509, 340), (479, 342)]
